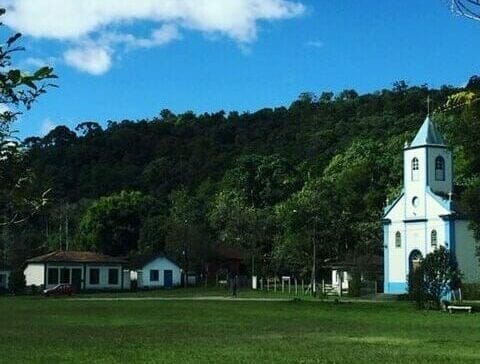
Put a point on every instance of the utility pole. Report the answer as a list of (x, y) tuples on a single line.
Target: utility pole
[(185, 252), (314, 253)]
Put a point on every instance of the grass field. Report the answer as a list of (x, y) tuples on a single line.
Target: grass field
[(33, 329)]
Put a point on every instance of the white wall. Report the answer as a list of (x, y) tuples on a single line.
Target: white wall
[(161, 264), (103, 281), (440, 186), (465, 248), (415, 188), (34, 274)]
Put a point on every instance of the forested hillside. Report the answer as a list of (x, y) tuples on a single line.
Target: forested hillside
[(270, 181)]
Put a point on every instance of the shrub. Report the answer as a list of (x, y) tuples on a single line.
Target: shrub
[(355, 284), (441, 275), (416, 287), (436, 276), (16, 282), (471, 291), (33, 289)]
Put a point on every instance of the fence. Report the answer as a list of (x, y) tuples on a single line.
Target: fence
[(301, 287)]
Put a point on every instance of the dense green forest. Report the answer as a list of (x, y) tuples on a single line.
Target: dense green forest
[(272, 181)]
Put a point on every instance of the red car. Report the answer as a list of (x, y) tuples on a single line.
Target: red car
[(59, 290)]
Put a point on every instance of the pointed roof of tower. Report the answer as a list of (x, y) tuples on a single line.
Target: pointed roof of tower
[(428, 135)]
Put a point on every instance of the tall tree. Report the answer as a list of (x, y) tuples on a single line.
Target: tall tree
[(112, 224)]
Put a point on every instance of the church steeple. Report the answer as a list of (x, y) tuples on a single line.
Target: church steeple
[(427, 168), (428, 134)]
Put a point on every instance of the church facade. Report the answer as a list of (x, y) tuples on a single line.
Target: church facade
[(424, 216)]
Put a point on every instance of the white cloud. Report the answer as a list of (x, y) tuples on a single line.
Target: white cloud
[(37, 62), (93, 59), (47, 126), (100, 22)]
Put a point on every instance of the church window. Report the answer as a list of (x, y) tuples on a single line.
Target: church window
[(415, 201), (433, 239), (415, 169), (440, 169), (398, 239)]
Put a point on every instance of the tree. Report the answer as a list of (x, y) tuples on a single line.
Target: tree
[(187, 239), (467, 8), (112, 224), (18, 91), (441, 274)]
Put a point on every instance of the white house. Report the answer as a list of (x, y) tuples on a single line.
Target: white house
[(4, 276), (83, 270), (424, 216), (156, 271)]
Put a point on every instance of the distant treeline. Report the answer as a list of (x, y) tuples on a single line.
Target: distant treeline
[(272, 182)]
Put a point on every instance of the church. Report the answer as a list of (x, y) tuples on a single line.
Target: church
[(425, 216)]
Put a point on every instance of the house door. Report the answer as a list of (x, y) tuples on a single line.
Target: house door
[(77, 279), (167, 278)]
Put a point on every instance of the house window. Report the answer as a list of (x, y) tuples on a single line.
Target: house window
[(64, 275), (154, 275), (439, 169), (398, 239), (113, 276), (52, 276), (415, 169), (433, 239), (94, 276)]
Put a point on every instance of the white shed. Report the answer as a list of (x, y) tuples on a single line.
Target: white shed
[(156, 271)]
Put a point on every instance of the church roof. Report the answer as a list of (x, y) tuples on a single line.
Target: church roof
[(428, 135)]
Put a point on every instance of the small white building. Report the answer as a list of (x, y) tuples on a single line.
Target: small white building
[(4, 277), (83, 270), (156, 271), (425, 215)]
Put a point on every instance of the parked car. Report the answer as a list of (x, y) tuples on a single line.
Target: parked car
[(59, 290)]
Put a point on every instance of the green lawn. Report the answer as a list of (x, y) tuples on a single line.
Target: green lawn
[(33, 329)]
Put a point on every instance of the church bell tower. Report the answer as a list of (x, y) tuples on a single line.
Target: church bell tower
[(428, 168)]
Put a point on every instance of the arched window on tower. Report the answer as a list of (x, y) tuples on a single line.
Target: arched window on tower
[(415, 169), (439, 169), (398, 239), (433, 238)]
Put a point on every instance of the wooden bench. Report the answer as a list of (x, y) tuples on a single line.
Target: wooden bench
[(459, 308)]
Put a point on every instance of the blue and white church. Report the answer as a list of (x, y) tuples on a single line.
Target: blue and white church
[(424, 216)]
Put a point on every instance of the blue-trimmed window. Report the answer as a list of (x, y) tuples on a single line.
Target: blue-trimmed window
[(440, 169), (398, 240), (433, 238), (415, 169), (154, 275)]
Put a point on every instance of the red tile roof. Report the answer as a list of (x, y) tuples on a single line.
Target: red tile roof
[(75, 257)]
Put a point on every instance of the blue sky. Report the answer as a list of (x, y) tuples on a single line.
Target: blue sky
[(235, 56)]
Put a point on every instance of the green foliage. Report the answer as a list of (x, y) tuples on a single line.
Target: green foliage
[(16, 282), (236, 178), (112, 224), (18, 91), (355, 284), (470, 291), (440, 273), (187, 239), (417, 289)]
